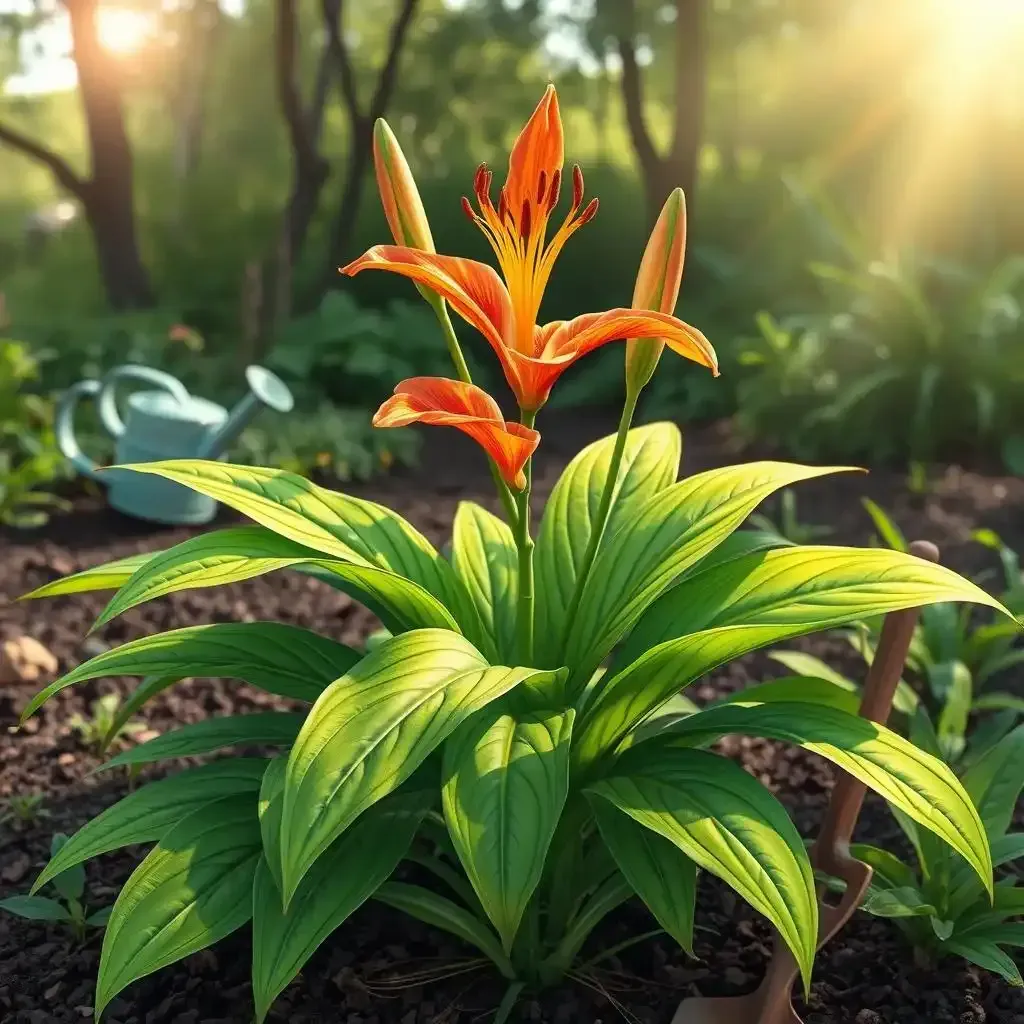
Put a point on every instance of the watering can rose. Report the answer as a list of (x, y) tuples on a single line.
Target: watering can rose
[(533, 356)]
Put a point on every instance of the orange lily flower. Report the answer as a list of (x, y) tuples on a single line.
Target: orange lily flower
[(533, 357), (453, 403)]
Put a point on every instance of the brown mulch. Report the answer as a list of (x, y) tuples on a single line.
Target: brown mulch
[(866, 976)]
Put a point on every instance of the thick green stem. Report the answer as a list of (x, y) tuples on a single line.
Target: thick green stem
[(452, 340), (455, 350), (524, 614), (603, 510)]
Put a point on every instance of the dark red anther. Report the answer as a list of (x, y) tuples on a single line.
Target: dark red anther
[(577, 186), (502, 204), (541, 185), (467, 209), (556, 185), (589, 213), (524, 221), (479, 180)]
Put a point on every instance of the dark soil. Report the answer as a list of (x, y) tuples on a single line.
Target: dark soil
[(361, 975)]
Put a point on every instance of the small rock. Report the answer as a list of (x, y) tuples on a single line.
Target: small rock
[(65, 759), (868, 1017), (16, 870), (61, 564), (92, 646), (51, 992), (24, 660), (735, 977)]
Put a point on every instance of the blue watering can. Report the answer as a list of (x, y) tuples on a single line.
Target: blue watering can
[(168, 423)]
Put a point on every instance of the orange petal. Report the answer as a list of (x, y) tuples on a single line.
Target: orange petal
[(587, 332), (473, 289), (539, 148), (452, 403), (559, 344), (398, 192)]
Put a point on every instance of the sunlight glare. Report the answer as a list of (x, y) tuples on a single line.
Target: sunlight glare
[(123, 31)]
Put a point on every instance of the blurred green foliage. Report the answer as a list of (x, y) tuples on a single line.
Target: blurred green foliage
[(30, 463), (893, 332)]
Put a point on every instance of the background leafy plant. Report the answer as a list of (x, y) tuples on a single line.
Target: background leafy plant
[(30, 463), (935, 901)]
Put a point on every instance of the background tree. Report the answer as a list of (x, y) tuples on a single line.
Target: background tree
[(107, 193)]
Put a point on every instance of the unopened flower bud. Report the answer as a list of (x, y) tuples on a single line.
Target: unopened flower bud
[(657, 286)]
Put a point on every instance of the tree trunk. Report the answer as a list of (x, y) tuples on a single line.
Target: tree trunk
[(360, 157), (108, 198), (361, 124), (678, 168)]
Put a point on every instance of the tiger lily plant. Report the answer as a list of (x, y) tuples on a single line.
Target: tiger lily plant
[(540, 777)]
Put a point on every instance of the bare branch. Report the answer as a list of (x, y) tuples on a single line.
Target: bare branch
[(334, 16), (57, 165), (632, 92), (289, 98), (389, 73)]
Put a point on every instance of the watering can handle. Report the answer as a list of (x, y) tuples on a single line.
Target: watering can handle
[(64, 427), (106, 400), (103, 392)]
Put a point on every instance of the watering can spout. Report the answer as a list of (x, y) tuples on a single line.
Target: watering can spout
[(265, 389)]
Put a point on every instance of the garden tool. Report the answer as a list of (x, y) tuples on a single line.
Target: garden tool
[(771, 1002), (166, 423)]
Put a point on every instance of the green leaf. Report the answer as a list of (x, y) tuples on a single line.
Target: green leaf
[(999, 701), (108, 576), (611, 893), (70, 883), (146, 815), (35, 908), (904, 901), (240, 553), (831, 586), (271, 803), (650, 463), (887, 867), (888, 531), (663, 877), (441, 912), (506, 777), (995, 781), (730, 825), (281, 659), (138, 698), (338, 525), (747, 604), (372, 728), (191, 891), (100, 918), (485, 558), (958, 687), (914, 782), (987, 955), (270, 728), (802, 664), (339, 883), (648, 551), (905, 699), (797, 688)]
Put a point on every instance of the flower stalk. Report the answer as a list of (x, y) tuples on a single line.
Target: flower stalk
[(462, 369), (524, 542)]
